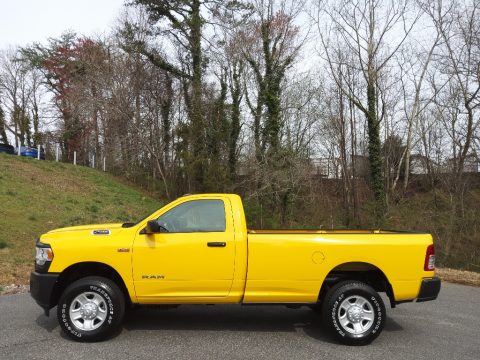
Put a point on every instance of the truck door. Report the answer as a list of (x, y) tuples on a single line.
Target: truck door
[(193, 256)]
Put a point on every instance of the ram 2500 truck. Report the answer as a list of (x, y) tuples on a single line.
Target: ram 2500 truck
[(197, 250)]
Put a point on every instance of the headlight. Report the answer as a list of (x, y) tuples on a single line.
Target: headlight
[(43, 256)]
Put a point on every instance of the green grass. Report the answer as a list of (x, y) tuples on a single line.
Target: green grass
[(38, 196)]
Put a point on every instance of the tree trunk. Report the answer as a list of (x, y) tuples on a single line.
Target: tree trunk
[(375, 154), (165, 110), (235, 90), (3, 132), (197, 128)]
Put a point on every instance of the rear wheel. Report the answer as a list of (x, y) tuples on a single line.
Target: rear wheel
[(354, 312), (91, 309)]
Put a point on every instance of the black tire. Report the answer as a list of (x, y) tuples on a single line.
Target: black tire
[(369, 318), (112, 308)]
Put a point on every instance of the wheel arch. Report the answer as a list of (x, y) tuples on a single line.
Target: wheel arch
[(83, 269), (358, 270)]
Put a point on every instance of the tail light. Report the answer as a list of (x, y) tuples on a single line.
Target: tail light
[(430, 258)]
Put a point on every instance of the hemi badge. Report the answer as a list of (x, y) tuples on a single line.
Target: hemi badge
[(123, 250)]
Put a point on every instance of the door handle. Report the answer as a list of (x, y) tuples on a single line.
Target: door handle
[(216, 244)]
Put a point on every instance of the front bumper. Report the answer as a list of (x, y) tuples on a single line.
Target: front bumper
[(429, 289), (42, 287)]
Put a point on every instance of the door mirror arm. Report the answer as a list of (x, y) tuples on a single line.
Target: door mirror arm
[(153, 227)]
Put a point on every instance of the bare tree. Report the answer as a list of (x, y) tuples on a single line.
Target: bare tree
[(373, 31), (458, 25), (20, 86), (414, 104)]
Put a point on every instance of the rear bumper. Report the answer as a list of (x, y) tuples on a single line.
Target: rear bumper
[(429, 289), (42, 287)]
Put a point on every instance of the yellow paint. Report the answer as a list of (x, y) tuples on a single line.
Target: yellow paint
[(318, 257), (282, 266)]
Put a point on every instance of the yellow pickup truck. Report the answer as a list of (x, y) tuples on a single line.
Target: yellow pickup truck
[(197, 250)]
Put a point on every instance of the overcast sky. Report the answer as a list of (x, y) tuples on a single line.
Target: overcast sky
[(25, 21)]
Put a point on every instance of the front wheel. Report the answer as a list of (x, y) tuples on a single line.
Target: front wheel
[(91, 309), (354, 312)]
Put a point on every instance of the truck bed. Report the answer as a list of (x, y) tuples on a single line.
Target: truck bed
[(287, 264)]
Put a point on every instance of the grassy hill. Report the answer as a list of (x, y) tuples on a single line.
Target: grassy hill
[(37, 196)]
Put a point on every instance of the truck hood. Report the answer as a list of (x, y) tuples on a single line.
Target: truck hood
[(94, 227)]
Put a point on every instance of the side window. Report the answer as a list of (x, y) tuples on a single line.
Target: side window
[(195, 216)]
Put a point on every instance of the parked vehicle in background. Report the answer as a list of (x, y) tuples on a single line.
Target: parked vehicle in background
[(6, 148), (31, 152)]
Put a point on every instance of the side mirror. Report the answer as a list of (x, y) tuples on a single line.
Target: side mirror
[(153, 227)]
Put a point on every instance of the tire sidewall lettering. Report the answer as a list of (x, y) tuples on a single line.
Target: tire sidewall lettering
[(334, 315)]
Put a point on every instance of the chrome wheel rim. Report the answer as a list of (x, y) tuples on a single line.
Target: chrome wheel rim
[(88, 311), (356, 315)]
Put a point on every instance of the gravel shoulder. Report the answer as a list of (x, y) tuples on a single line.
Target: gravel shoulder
[(459, 276)]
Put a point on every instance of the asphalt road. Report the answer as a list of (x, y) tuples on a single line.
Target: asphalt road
[(448, 328)]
